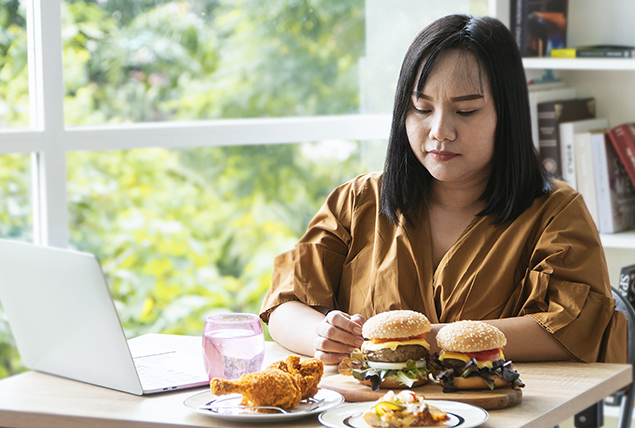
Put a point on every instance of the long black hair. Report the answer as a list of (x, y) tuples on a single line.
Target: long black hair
[(517, 176)]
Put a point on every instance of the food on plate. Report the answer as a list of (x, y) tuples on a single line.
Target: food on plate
[(406, 409), (472, 357), (308, 373), (283, 384), (394, 353)]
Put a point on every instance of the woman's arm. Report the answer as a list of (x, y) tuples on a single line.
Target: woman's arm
[(526, 340), (305, 330)]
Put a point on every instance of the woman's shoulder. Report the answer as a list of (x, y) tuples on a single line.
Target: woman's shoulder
[(363, 184), (560, 196), (561, 190)]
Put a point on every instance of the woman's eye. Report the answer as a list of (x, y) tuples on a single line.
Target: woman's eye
[(467, 112), (421, 110)]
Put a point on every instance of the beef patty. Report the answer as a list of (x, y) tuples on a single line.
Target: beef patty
[(401, 353)]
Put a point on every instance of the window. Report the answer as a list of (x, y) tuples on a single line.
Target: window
[(148, 61), (182, 233), (188, 142)]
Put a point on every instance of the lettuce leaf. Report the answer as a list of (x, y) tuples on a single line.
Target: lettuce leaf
[(357, 366)]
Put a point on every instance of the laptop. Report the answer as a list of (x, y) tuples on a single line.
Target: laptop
[(64, 322)]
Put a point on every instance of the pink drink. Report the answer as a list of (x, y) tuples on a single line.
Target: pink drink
[(233, 345)]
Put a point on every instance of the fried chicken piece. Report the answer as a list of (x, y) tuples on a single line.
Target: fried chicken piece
[(308, 373), (283, 384), (270, 387), (312, 371)]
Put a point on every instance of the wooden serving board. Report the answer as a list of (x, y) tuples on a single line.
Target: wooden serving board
[(353, 391)]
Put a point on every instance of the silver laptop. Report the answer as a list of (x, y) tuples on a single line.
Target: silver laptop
[(64, 322)]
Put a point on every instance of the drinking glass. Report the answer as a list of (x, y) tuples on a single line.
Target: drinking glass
[(233, 345)]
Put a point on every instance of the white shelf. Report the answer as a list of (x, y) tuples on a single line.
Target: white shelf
[(622, 240), (580, 63)]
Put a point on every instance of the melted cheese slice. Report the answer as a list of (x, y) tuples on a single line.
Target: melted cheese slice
[(460, 356), (370, 346)]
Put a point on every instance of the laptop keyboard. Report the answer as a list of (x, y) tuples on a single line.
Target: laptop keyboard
[(155, 376)]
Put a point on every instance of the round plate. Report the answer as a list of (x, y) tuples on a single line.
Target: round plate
[(228, 409), (350, 416)]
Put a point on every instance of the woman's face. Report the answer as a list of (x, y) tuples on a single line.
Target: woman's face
[(451, 125)]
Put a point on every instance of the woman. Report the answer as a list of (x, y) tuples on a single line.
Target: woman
[(462, 224)]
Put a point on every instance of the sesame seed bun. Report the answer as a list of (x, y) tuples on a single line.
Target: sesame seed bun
[(470, 336), (395, 325)]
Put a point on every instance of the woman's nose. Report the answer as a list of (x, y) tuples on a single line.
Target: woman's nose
[(442, 127)]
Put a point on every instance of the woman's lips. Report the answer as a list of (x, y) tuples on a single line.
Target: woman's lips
[(442, 156)]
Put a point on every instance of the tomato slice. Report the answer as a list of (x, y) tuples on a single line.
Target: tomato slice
[(401, 339), (491, 355)]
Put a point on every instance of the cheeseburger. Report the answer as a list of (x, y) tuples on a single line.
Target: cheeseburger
[(394, 353), (472, 357)]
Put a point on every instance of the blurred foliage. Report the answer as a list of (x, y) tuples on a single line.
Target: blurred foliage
[(189, 60), (15, 194), (197, 235), (185, 233), (15, 223), (14, 77)]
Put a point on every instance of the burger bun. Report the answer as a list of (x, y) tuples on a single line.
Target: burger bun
[(396, 325), (470, 336), (476, 382)]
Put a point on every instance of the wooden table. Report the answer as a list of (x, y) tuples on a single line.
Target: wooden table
[(554, 393)]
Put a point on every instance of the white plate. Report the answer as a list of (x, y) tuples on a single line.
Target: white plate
[(350, 416), (228, 407)]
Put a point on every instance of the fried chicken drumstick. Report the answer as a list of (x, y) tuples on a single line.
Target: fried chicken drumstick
[(283, 384), (308, 373), (266, 388)]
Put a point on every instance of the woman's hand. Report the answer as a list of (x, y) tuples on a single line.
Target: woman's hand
[(337, 336)]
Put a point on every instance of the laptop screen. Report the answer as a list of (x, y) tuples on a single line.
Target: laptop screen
[(62, 316)]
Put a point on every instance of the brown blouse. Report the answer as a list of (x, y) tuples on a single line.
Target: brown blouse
[(547, 264)]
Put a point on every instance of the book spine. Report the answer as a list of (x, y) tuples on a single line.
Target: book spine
[(584, 174), (518, 23), (604, 53), (622, 191), (624, 145), (567, 154), (602, 187), (627, 283), (564, 53), (548, 138)]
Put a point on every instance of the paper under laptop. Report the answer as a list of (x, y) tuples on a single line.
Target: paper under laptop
[(64, 322)]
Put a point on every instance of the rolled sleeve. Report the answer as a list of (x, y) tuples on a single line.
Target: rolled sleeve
[(566, 288), (311, 271), (575, 316)]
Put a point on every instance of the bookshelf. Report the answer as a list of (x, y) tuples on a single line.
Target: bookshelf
[(623, 240), (610, 80), (609, 64)]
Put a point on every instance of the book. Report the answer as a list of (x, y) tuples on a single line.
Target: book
[(623, 139), (533, 86), (550, 115), (567, 148), (538, 26), (626, 286), (596, 51), (536, 97), (615, 191), (585, 175)]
